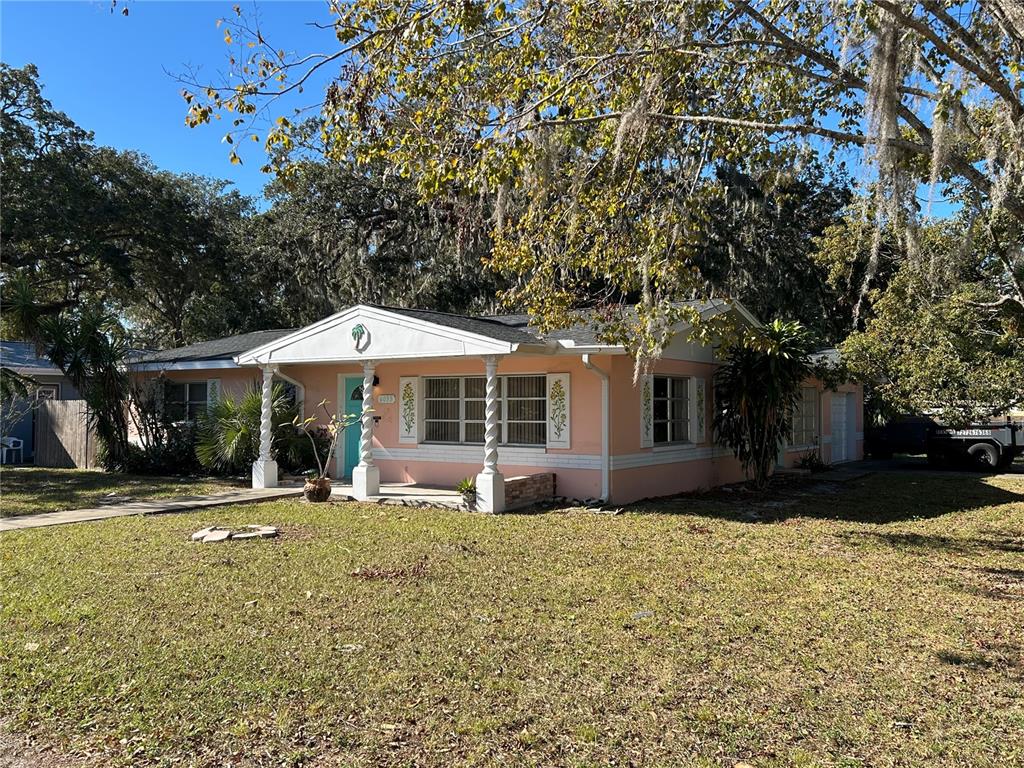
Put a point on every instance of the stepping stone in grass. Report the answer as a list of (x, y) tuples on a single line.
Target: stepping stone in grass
[(200, 535)]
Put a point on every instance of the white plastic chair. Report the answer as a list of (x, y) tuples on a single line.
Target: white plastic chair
[(11, 446)]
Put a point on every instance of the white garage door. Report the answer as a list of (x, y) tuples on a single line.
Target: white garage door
[(839, 428)]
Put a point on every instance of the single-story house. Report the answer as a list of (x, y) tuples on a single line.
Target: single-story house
[(50, 383), (442, 397)]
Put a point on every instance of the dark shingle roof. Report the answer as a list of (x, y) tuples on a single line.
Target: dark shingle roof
[(491, 327), (580, 334), (514, 329), (215, 349)]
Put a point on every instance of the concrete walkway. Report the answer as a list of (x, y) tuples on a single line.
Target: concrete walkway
[(150, 507)]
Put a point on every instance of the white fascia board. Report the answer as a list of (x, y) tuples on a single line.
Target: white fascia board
[(37, 371), (572, 348), (734, 306), (264, 355), (183, 365)]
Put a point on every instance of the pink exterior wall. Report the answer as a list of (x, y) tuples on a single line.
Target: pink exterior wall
[(321, 382), (233, 381), (666, 470), (636, 472)]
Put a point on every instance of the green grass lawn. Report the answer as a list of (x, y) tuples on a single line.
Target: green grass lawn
[(28, 490), (876, 623)]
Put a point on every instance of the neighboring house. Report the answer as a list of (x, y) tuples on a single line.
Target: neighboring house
[(444, 397), (51, 383)]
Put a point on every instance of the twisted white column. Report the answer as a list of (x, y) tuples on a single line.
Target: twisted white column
[(366, 435), (264, 469), (491, 417), (266, 413)]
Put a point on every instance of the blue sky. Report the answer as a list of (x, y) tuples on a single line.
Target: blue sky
[(107, 71)]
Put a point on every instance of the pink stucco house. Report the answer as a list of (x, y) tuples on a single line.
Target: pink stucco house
[(443, 397)]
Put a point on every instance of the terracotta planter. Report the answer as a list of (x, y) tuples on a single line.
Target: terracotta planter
[(317, 490)]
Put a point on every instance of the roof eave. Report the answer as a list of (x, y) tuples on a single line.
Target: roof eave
[(183, 365)]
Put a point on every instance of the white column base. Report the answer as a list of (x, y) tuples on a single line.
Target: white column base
[(365, 482), (490, 492), (264, 474)]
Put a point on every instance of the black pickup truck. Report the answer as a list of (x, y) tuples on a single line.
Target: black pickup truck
[(983, 446)]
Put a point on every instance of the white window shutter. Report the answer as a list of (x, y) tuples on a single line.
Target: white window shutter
[(558, 410), (646, 411), (698, 410), (408, 409), (213, 392)]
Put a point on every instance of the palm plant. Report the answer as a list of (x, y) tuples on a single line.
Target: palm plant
[(229, 431), (756, 390)]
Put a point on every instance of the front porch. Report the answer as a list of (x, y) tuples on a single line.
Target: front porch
[(518, 492), (407, 433), (403, 495)]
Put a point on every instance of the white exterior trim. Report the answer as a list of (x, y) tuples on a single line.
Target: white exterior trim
[(184, 365), (670, 454), (802, 448), (472, 344), (538, 457), (470, 454)]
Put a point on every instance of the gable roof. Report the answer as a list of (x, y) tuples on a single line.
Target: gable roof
[(215, 349), (508, 331)]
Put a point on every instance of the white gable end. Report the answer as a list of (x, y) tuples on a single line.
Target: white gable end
[(368, 333)]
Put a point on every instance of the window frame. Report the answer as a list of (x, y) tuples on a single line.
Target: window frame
[(671, 397), (803, 412), (189, 415), (503, 402), (53, 387)]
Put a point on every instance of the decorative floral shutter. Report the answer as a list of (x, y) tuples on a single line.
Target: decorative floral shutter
[(558, 410), (213, 392), (698, 410), (408, 409), (646, 411)]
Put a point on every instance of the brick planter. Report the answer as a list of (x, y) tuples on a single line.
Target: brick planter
[(524, 490)]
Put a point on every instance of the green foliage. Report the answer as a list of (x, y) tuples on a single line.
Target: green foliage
[(812, 461), (588, 128), (87, 344), (229, 432), (941, 341), (323, 437), (466, 486), (90, 224), (163, 447), (757, 243), (174, 455), (756, 389), (339, 234)]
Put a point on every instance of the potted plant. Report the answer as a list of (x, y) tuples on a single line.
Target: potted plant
[(318, 483), (467, 487)]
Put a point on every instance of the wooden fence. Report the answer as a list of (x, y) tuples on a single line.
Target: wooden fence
[(64, 435)]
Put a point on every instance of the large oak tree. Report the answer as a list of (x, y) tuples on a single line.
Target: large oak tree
[(591, 125)]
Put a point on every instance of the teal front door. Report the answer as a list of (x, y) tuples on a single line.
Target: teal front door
[(353, 404)]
